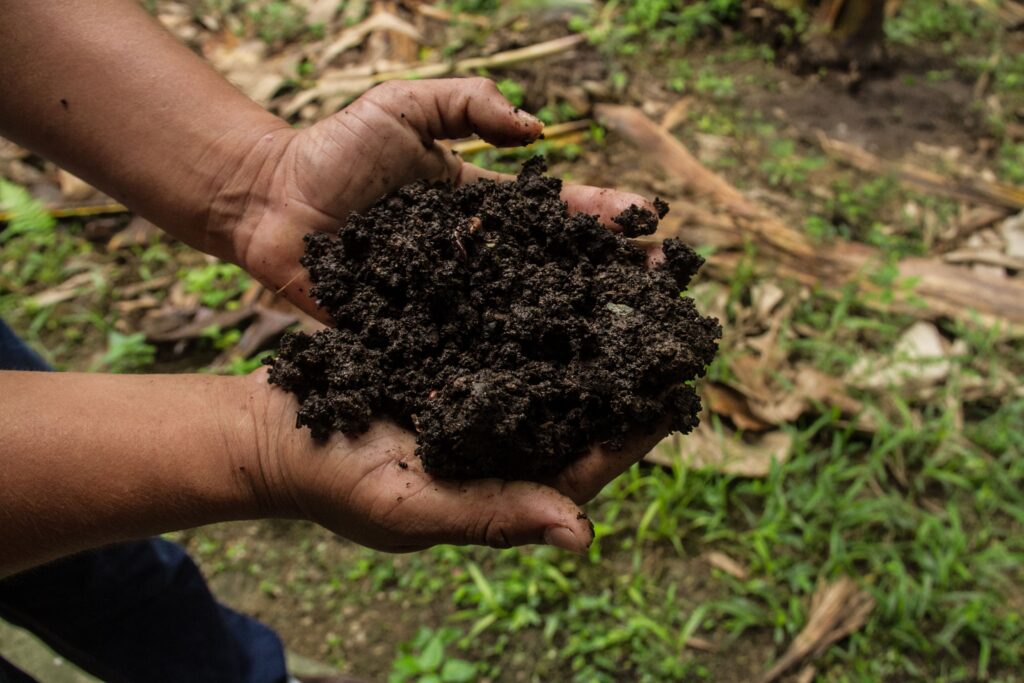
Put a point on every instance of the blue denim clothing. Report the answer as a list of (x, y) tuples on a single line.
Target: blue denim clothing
[(137, 611)]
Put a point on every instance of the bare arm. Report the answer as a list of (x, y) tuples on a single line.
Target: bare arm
[(104, 91), (91, 459), (87, 460), (101, 89)]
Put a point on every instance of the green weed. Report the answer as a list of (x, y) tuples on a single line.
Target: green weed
[(936, 21), (423, 660), (127, 353), (218, 284), (787, 169)]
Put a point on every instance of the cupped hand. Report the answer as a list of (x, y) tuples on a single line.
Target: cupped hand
[(296, 182), (372, 488)]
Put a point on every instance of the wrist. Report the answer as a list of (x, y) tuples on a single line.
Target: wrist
[(241, 187), (258, 425)]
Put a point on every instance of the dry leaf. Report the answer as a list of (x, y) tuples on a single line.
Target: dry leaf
[(920, 359), (354, 35), (1012, 232), (838, 609), (987, 257), (73, 188), (73, 287), (139, 232), (129, 291), (766, 296), (725, 451), (145, 302), (247, 65), (726, 401), (320, 11)]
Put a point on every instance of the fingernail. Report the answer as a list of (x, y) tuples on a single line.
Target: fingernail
[(529, 118), (562, 537)]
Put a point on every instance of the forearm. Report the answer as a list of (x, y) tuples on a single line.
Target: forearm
[(88, 459), (101, 89)]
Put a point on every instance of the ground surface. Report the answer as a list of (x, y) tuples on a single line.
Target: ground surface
[(896, 433)]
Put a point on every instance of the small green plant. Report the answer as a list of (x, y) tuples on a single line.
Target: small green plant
[(936, 21), (512, 90), (218, 284), (32, 251), (278, 21), (712, 85), (633, 27), (244, 366), (26, 215), (785, 168), (127, 352), (222, 339), (1011, 163), (423, 660)]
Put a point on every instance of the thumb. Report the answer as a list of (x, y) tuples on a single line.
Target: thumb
[(500, 514), (451, 108)]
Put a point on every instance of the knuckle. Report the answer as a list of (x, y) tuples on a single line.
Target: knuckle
[(484, 85), (494, 532)]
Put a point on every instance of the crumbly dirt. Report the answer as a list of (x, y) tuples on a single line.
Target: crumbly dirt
[(509, 334)]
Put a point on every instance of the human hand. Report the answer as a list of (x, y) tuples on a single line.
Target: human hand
[(294, 182), (372, 488)]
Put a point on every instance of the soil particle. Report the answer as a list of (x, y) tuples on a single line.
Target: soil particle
[(636, 221), (509, 334)]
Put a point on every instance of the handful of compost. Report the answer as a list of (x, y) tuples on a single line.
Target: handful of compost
[(508, 334)]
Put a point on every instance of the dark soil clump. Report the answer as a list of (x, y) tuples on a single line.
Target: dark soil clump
[(508, 334)]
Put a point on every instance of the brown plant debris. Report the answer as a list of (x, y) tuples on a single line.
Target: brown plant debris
[(838, 608)]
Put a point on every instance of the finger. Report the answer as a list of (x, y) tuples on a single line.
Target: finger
[(491, 512), (296, 288), (456, 107), (585, 478), (602, 202), (274, 261)]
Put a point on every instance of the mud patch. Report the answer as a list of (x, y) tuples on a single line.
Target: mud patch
[(886, 115)]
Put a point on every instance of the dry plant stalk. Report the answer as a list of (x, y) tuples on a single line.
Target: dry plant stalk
[(933, 288), (973, 190), (357, 80), (560, 133)]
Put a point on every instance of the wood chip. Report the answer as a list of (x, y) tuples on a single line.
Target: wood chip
[(720, 560), (701, 644)]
